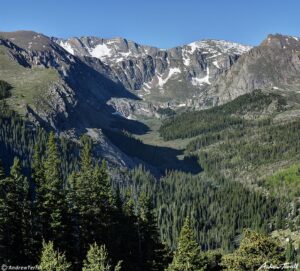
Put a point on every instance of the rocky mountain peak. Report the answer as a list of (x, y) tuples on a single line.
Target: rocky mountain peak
[(107, 50), (282, 42), (152, 72), (31, 49), (273, 65), (29, 40), (220, 46)]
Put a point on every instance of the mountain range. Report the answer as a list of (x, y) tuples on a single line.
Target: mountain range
[(104, 86), (150, 72)]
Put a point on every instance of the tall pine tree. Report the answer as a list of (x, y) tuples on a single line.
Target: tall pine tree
[(52, 192), (15, 216), (91, 203), (40, 214), (153, 254), (187, 255)]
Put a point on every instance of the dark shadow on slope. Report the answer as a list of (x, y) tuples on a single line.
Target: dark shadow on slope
[(93, 91), (85, 79), (131, 126), (162, 158), (90, 115)]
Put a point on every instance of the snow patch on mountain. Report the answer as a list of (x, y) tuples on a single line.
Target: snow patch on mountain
[(172, 71), (101, 51), (216, 64), (185, 57), (67, 46), (194, 46), (196, 81), (215, 46)]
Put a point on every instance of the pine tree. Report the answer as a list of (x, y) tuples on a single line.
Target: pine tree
[(255, 249), (15, 216), (97, 260), (128, 235), (187, 256), (54, 201), (74, 243), (52, 260), (91, 202), (37, 165), (78, 197), (101, 178), (101, 183), (152, 251), (86, 163), (23, 220), (118, 229), (40, 214)]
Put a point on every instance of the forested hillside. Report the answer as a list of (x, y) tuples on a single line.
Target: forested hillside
[(18, 137), (217, 219), (236, 114), (240, 139), (78, 217)]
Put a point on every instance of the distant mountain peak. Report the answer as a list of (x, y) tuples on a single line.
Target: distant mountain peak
[(282, 42), (151, 70), (28, 40), (220, 45), (273, 65), (107, 50)]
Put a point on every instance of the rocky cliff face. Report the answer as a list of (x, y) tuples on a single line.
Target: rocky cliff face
[(157, 74), (55, 89), (275, 64), (77, 84)]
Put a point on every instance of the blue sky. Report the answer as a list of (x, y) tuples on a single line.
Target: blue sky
[(162, 23)]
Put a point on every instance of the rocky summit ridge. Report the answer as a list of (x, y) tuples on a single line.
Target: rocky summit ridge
[(273, 65), (151, 72)]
